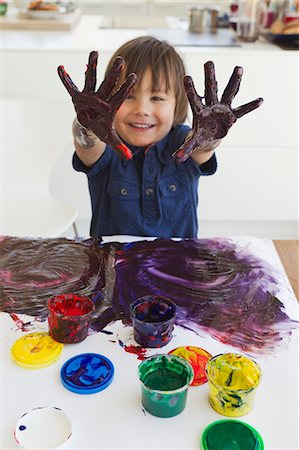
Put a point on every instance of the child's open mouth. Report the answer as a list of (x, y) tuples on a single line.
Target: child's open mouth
[(141, 126)]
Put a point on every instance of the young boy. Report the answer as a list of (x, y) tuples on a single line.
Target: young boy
[(153, 189)]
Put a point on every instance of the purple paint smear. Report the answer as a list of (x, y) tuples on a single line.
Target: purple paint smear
[(219, 288)]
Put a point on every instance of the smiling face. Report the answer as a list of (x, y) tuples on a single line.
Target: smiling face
[(147, 115)]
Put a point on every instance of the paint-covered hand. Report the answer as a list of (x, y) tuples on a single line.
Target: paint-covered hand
[(213, 118), (96, 109)]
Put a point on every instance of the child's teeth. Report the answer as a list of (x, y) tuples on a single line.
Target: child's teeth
[(140, 125)]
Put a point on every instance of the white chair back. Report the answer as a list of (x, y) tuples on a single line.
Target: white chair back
[(33, 135)]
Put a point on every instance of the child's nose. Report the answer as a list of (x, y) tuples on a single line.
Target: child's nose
[(142, 107)]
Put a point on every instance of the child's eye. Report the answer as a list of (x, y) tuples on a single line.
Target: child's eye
[(130, 97), (157, 98)]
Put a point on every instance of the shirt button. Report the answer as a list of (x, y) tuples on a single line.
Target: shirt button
[(172, 187), (149, 192), (123, 191)]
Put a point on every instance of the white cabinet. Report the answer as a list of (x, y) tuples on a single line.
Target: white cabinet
[(273, 76), (257, 177)]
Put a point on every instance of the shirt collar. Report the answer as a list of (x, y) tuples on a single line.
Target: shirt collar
[(163, 152)]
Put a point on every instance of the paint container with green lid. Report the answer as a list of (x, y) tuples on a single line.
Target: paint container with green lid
[(164, 384), (231, 435)]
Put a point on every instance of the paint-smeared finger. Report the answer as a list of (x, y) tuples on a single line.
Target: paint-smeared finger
[(123, 92), (67, 81), (183, 153), (232, 86), (91, 73), (194, 99), (119, 147), (211, 88), (111, 78), (248, 107)]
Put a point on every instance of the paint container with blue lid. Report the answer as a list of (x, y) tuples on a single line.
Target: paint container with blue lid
[(231, 435), (87, 373)]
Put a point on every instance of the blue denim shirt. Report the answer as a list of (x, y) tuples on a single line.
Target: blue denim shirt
[(150, 195)]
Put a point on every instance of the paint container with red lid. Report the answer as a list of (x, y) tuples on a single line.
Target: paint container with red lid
[(69, 317), (153, 320)]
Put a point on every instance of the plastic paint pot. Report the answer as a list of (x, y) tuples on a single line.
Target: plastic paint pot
[(69, 317), (231, 435), (153, 320), (45, 427), (164, 384), (233, 379), (198, 358)]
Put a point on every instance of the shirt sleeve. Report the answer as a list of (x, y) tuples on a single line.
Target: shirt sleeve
[(209, 167), (97, 167)]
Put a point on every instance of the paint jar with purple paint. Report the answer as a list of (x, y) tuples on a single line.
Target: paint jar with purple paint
[(69, 317), (153, 320), (164, 384)]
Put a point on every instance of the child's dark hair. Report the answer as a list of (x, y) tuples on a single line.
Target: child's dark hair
[(165, 64)]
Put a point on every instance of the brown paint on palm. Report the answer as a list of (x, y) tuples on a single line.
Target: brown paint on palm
[(96, 109), (212, 118)]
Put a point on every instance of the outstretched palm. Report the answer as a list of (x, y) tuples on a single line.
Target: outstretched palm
[(212, 119), (96, 109)]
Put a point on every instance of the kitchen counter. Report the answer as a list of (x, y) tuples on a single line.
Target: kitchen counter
[(88, 35)]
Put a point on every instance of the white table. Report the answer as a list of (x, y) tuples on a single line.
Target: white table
[(114, 419)]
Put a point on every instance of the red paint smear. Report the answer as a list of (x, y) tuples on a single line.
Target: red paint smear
[(125, 151), (20, 324), (136, 350)]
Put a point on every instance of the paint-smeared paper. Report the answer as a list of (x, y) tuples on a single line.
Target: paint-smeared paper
[(223, 288)]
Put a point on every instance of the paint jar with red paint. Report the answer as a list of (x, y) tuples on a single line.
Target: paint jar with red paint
[(69, 317), (153, 320)]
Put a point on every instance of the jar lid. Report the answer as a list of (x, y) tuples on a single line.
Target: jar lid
[(231, 434), (36, 351), (87, 373), (197, 357), (45, 427)]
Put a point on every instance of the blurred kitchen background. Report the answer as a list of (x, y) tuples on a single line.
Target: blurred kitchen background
[(255, 190)]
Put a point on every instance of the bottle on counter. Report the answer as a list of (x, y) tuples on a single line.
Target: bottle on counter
[(233, 16), (268, 13), (3, 7)]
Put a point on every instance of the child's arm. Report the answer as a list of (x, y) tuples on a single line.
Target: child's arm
[(88, 146), (96, 109), (212, 119)]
